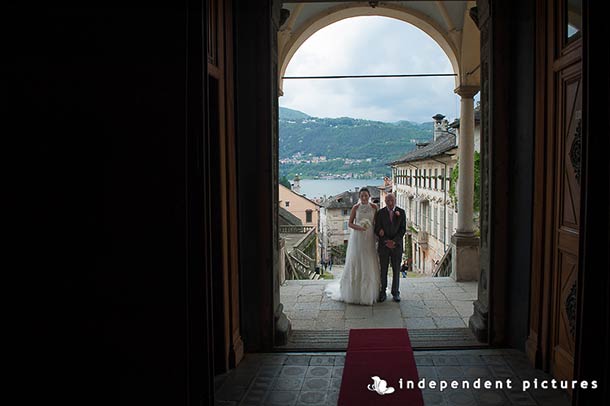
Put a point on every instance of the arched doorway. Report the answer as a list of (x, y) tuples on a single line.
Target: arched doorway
[(462, 50), (295, 32)]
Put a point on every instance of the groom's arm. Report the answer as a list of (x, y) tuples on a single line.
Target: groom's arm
[(378, 225)]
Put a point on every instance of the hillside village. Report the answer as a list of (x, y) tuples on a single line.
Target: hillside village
[(343, 148)]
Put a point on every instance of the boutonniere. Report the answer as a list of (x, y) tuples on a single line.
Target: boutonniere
[(397, 213)]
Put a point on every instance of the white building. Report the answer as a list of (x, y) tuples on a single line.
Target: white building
[(421, 182), (334, 218)]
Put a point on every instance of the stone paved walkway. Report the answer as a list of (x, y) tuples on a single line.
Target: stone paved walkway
[(315, 379), (427, 303)]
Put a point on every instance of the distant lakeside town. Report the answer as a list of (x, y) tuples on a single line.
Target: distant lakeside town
[(323, 167), (302, 159), (299, 158)]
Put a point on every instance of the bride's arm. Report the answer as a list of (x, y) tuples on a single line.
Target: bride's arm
[(352, 217)]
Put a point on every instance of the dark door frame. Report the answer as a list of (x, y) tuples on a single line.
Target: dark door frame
[(256, 99), (592, 355)]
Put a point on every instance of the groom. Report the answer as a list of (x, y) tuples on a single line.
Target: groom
[(390, 227)]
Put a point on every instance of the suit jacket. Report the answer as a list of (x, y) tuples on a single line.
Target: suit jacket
[(392, 230)]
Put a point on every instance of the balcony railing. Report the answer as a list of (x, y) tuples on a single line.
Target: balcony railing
[(295, 229), (422, 238)]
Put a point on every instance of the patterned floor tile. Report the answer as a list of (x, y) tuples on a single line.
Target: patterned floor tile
[(315, 379)]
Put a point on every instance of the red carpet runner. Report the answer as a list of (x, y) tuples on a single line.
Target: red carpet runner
[(383, 353)]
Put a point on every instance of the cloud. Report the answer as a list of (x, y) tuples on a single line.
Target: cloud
[(371, 45)]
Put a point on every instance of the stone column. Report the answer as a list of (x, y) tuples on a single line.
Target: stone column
[(465, 255), (283, 327)]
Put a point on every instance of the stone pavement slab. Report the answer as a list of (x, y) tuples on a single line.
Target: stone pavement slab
[(427, 303)]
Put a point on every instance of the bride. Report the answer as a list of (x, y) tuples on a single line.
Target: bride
[(360, 280)]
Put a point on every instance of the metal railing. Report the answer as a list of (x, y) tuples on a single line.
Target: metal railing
[(307, 243), (293, 269), (443, 268), (304, 259), (298, 264)]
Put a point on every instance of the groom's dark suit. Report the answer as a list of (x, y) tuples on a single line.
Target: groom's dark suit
[(394, 229)]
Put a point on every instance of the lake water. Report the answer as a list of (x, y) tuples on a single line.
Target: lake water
[(313, 188)]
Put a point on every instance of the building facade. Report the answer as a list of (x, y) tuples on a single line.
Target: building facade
[(422, 184), (386, 188), (306, 210), (334, 218)]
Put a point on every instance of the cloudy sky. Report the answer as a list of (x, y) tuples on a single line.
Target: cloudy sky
[(371, 45)]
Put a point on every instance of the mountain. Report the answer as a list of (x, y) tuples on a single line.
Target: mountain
[(313, 146), (290, 114)]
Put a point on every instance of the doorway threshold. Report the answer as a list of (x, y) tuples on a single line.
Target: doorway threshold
[(421, 339)]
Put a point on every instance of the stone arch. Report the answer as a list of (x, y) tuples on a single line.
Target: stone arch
[(341, 12)]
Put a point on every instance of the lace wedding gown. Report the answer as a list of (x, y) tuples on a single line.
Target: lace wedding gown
[(360, 281)]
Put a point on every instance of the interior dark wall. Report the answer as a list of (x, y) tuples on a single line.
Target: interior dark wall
[(592, 354), (257, 193), (511, 146), (100, 100), (521, 170)]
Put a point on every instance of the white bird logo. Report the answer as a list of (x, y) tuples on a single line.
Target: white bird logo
[(380, 386)]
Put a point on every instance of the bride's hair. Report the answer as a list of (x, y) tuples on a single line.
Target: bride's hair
[(364, 190)]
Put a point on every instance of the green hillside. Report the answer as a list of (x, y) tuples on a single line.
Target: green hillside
[(290, 114), (349, 146)]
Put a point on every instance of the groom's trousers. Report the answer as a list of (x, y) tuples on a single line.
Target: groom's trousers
[(386, 257)]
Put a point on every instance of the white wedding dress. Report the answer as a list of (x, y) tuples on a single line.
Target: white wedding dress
[(361, 280)]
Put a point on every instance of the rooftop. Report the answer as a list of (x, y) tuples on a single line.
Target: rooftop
[(287, 218), (349, 198), (445, 142)]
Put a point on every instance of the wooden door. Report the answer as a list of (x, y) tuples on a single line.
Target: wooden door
[(228, 345), (564, 115)]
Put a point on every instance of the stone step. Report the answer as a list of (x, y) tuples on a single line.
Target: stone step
[(336, 340)]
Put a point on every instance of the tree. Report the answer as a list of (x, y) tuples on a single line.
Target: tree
[(338, 253), (477, 183), (284, 181)]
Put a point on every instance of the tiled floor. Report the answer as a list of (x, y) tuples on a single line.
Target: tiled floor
[(427, 303), (315, 379)]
